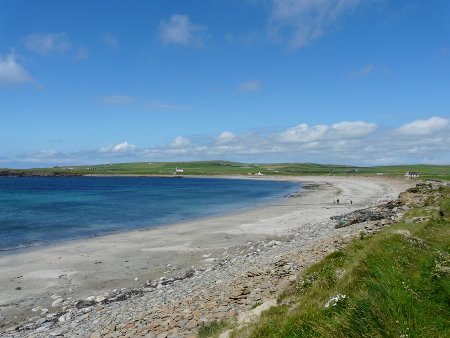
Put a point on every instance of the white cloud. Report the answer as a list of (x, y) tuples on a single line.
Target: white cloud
[(117, 99), (180, 142), (302, 133), (110, 40), (430, 126), (12, 73), (180, 30), (347, 142), (122, 148), (251, 86), (347, 130), (299, 22), (46, 43), (225, 137)]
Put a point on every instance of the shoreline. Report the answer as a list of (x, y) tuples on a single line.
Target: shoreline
[(97, 265), (261, 204)]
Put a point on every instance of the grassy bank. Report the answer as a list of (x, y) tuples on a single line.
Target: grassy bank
[(235, 168), (392, 284)]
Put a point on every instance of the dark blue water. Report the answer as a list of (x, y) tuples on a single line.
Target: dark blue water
[(39, 211)]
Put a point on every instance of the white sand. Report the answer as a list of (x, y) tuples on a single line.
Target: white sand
[(88, 267)]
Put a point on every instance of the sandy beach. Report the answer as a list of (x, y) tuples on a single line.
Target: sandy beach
[(90, 267)]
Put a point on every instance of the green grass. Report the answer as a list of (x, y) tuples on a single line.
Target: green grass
[(396, 284), (234, 168), (211, 329)]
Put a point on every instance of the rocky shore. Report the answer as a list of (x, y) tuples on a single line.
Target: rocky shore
[(231, 285)]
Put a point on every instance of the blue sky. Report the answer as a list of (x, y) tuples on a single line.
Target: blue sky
[(330, 81)]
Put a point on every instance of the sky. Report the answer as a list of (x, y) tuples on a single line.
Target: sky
[(358, 82)]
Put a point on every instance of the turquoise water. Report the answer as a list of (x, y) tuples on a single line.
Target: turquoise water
[(39, 211)]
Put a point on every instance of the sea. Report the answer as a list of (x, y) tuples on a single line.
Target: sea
[(41, 211)]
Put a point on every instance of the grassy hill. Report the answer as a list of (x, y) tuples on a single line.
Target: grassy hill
[(235, 168), (395, 283)]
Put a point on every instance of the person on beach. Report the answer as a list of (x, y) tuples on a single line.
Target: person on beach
[(351, 202), (337, 201)]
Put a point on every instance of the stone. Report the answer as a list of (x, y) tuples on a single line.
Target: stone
[(12, 328), (99, 299), (57, 302), (40, 321)]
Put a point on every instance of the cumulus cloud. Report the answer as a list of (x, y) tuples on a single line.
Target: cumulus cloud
[(46, 43), (225, 137), (299, 22), (12, 73), (180, 30), (122, 148), (110, 40), (430, 126), (348, 130), (347, 142), (304, 133), (180, 142), (251, 86)]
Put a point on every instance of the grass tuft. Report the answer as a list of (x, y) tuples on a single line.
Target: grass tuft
[(208, 329)]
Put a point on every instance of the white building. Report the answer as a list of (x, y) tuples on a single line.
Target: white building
[(412, 174)]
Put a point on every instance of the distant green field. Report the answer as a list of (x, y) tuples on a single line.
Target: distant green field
[(234, 168)]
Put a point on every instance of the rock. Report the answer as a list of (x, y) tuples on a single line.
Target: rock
[(57, 302), (99, 299), (44, 327), (90, 298), (40, 321), (12, 328), (191, 324), (136, 279), (273, 243), (377, 213)]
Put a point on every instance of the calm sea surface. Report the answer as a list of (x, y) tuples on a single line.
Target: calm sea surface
[(38, 211)]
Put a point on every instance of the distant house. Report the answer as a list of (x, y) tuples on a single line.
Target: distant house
[(178, 171), (259, 174), (412, 174)]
